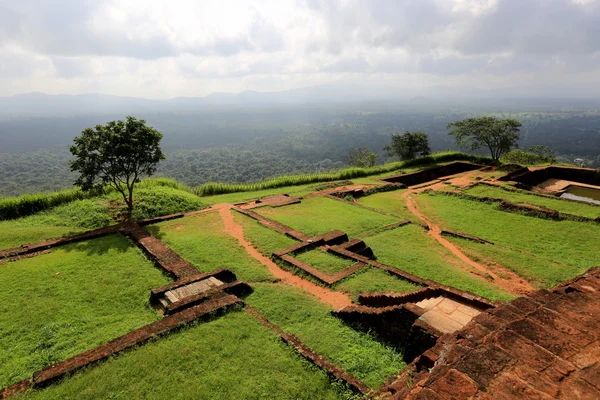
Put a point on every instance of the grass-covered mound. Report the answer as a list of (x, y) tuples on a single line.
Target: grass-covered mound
[(54, 306)]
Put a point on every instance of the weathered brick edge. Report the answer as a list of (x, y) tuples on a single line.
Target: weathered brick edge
[(155, 220), (433, 173), (62, 369), (236, 288), (465, 236), (540, 346), (222, 274), (315, 358), (160, 253), (276, 226)]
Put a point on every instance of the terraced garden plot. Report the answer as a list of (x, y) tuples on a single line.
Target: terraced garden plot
[(265, 240), (568, 242), (563, 206), (319, 215), (202, 240), (390, 202), (410, 249), (541, 273), (374, 280), (233, 357), (323, 261), (54, 306), (299, 313)]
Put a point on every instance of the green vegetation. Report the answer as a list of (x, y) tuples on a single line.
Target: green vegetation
[(201, 239), (54, 306), (390, 202), (564, 206), (541, 273), (319, 215), (374, 280), (568, 242), (80, 215), (410, 249), (323, 261), (266, 240), (357, 353), (189, 364)]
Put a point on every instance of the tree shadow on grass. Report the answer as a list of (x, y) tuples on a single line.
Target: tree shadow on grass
[(100, 245)]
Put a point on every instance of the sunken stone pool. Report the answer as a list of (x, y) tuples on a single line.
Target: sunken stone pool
[(582, 193)]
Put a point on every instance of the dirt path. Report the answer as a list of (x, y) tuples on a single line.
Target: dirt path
[(335, 299), (513, 284)]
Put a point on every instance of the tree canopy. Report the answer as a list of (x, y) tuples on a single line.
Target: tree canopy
[(118, 154), (498, 135), (360, 157), (408, 145)]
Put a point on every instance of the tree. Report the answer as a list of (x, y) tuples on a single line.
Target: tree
[(409, 145), (498, 135), (360, 157), (118, 154)]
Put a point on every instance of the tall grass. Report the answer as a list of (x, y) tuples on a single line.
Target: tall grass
[(214, 188), (16, 207)]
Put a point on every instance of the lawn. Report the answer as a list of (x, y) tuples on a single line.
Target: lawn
[(265, 240), (568, 242), (303, 315), (54, 306), (374, 280), (410, 249), (202, 240), (324, 261), (232, 357), (541, 273), (564, 206), (319, 215), (390, 202)]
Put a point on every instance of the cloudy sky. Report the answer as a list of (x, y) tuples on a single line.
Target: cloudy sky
[(162, 49)]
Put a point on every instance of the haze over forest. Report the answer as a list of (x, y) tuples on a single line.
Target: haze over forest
[(245, 90)]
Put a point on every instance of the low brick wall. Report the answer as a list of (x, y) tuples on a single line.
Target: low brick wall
[(430, 174)]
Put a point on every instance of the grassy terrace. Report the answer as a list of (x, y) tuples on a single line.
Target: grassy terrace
[(568, 242), (410, 249), (323, 261), (564, 206), (541, 273), (189, 364), (374, 280), (390, 202), (304, 316), (201, 239), (319, 215), (54, 306)]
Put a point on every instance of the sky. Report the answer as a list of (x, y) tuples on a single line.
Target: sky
[(164, 49)]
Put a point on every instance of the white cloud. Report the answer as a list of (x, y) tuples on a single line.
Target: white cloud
[(186, 47)]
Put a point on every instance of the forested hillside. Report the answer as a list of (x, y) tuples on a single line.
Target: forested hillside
[(245, 144)]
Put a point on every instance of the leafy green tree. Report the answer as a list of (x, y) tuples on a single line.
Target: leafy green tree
[(118, 154), (498, 135), (408, 145), (360, 157)]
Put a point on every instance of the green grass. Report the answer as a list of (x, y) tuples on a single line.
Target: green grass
[(319, 215), (304, 316), (390, 202), (81, 215), (568, 242), (233, 357), (563, 206), (323, 261), (54, 306), (410, 249), (374, 280), (539, 272), (201, 239), (265, 240)]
